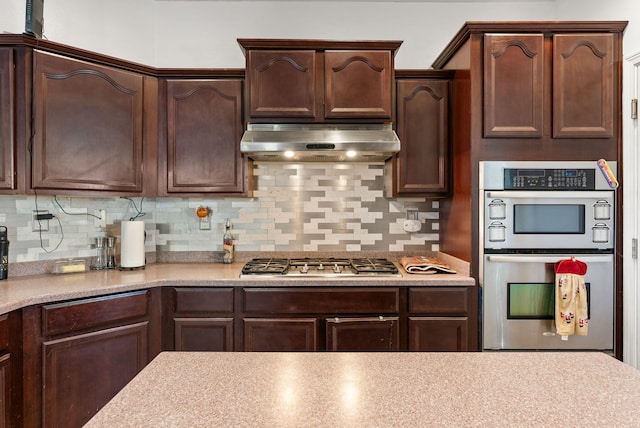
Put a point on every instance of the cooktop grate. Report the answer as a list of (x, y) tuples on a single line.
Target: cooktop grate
[(320, 266), (375, 265), (265, 266)]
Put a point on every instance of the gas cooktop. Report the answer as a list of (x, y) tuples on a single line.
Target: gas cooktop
[(319, 267)]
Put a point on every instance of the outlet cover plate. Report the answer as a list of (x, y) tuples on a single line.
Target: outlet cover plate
[(100, 218), (205, 223), (39, 225), (412, 226)]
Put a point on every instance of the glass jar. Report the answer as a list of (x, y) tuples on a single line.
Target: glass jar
[(101, 254)]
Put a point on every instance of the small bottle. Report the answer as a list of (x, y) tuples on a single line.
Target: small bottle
[(227, 243), (111, 252)]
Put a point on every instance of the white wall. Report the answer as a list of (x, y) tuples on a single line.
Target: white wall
[(424, 27), (174, 33), (12, 16), (203, 33), (611, 10)]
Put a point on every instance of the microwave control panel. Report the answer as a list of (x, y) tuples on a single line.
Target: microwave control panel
[(549, 179)]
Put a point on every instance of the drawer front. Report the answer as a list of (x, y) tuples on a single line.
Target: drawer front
[(280, 334), (439, 300), (4, 332), (322, 300), (198, 300), (89, 313)]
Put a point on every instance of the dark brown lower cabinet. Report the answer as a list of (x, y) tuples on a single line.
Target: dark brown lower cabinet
[(5, 373), (442, 319), (280, 334), (363, 334), (199, 318), (10, 370), (203, 334), (321, 318), (438, 333), (78, 354), (5, 390), (81, 373)]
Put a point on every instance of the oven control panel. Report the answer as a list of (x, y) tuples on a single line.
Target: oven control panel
[(549, 179)]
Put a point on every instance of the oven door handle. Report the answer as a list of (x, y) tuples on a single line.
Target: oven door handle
[(542, 194), (549, 259)]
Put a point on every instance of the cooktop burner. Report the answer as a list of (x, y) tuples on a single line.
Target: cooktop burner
[(319, 267), (266, 266)]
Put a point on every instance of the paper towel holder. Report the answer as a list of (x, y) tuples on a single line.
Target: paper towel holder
[(132, 240)]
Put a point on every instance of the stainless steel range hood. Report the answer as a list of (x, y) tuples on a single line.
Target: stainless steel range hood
[(319, 142)]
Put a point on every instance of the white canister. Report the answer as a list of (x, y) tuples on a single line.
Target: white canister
[(132, 245)]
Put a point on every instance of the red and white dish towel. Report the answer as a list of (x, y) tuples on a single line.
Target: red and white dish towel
[(572, 311)]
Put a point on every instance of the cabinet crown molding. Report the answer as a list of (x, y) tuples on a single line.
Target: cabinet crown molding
[(317, 44), (546, 27)]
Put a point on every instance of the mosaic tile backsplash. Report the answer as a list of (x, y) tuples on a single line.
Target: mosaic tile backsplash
[(295, 207)]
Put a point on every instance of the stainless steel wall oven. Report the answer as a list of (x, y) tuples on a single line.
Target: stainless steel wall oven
[(534, 214)]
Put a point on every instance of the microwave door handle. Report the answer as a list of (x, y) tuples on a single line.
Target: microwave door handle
[(528, 195), (549, 259)]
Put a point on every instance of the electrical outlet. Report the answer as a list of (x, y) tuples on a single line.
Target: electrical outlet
[(412, 225), (100, 219), (205, 223), (39, 225)]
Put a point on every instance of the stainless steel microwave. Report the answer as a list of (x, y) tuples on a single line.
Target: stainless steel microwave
[(546, 206)]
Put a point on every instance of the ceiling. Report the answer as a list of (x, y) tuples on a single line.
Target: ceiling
[(384, 1)]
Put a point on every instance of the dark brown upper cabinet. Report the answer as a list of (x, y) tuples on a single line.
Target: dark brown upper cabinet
[(576, 76), (14, 111), (204, 128), (583, 82), (318, 81), (513, 85), (358, 84), (282, 84), (422, 110), (7, 129), (89, 126)]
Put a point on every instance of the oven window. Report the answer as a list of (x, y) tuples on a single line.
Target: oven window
[(534, 300), (548, 219), (530, 300)]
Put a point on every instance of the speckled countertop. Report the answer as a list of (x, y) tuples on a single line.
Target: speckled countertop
[(488, 389), (24, 291)]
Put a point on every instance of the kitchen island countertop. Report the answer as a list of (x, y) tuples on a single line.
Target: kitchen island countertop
[(19, 292), (181, 389)]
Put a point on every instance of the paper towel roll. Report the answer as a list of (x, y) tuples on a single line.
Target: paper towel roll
[(132, 245)]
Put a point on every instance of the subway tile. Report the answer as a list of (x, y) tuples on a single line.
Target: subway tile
[(296, 207)]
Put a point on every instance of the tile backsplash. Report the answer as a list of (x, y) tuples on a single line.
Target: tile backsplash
[(295, 207)]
